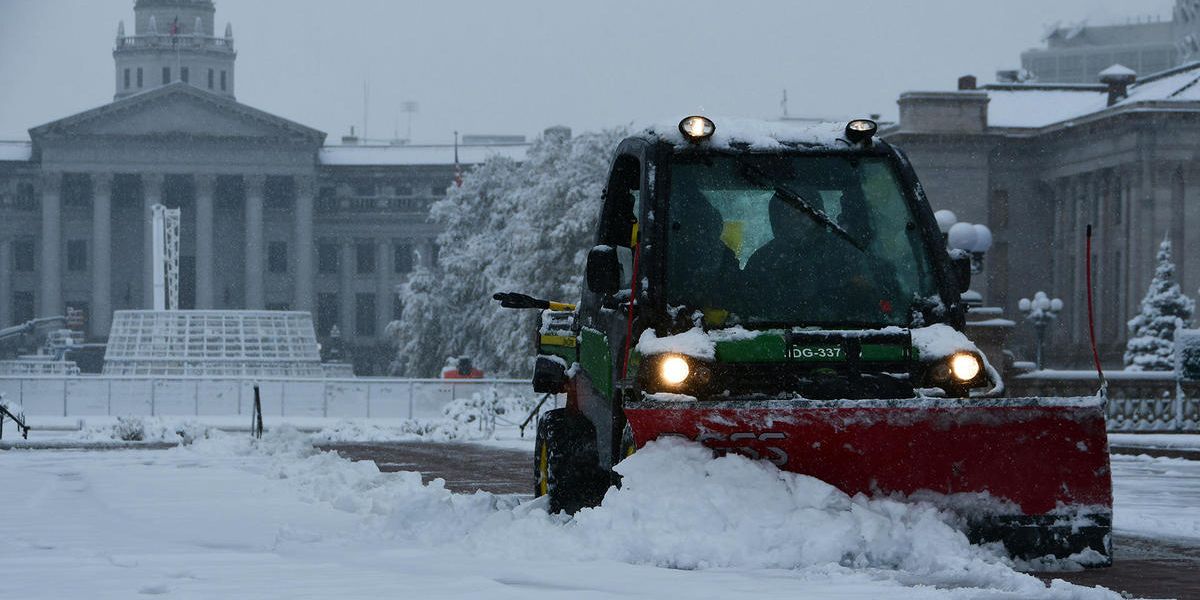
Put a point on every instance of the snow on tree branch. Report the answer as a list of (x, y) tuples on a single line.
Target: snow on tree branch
[(512, 226)]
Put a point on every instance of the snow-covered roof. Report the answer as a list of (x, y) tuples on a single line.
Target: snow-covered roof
[(22, 151), (1035, 106), (755, 134), (442, 154), (1039, 107)]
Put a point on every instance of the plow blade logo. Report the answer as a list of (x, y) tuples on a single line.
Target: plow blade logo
[(758, 446)]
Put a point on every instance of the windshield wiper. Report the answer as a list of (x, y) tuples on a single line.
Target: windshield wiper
[(797, 201)]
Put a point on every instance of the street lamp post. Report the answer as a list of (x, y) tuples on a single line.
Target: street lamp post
[(973, 238), (1041, 311)]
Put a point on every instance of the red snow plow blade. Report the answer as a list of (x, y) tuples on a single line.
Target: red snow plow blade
[(1044, 459)]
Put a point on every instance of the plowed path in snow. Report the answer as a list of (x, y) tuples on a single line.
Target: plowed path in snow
[(1143, 567)]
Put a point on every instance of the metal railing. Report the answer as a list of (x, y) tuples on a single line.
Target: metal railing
[(359, 397), (1137, 401), (164, 40)]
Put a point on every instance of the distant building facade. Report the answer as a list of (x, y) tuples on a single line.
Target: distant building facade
[(1038, 163), (273, 218), (1077, 53)]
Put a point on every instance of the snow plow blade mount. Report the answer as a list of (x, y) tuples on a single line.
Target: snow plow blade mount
[(1043, 461)]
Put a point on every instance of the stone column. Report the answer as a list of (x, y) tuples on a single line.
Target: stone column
[(254, 242), (152, 184), (346, 267), (383, 285), (6, 295), (206, 286), (101, 309), (305, 196), (50, 300)]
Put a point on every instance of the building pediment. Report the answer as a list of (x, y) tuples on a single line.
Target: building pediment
[(178, 111)]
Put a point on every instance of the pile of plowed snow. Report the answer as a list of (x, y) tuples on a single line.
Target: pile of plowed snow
[(678, 507)]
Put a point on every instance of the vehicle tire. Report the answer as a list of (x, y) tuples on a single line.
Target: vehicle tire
[(566, 465)]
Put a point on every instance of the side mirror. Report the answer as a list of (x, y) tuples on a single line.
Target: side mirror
[(603, 270), (961, 262)]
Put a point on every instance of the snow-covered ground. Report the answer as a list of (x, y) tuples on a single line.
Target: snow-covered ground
[(1157, 498), (227, 517)]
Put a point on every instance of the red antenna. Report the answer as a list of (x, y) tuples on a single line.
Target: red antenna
[(1092, 313)]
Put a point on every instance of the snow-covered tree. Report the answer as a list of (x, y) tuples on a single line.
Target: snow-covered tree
[(1151, 345), (510, 227)]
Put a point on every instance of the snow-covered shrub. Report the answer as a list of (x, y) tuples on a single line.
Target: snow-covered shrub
[(129, 429), (510, 227), (358, 430), (485, 408), (149, 429), (1188, 349), (1151, 345)]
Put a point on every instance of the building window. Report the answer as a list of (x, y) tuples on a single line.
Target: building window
[(77, 190), (437, 189), (364, 314), (183, 74), (22, 307), (364, 257), (279, 192), (23, 253), (284, 306), (364, 187), (402, 258), (397, 307), (327, 313), (222, 81), (76, 255), (166, 75), (327, 257), (277, 257), (139, 77), (126, 78), (210, 79), (25, 196)]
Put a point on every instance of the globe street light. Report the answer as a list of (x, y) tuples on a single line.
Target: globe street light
[(1041, 311), (973, 238)]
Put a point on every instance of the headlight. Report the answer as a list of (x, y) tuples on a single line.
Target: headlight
[(860, 129), (675, 373), (965, 366), (673, 370), (696, 128)]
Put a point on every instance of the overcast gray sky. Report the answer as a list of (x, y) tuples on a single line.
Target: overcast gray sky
[(491, 66)]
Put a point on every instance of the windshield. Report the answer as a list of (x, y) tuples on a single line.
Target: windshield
[(800, 240)]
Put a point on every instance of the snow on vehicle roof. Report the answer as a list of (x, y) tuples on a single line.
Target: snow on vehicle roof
[(16, 151), (441, 154), (754, 134)]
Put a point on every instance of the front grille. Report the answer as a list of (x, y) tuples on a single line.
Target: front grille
[(823, 382)]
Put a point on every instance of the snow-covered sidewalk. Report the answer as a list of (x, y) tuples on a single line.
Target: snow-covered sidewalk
[(229, 518), (1158, 441), (1157, 498)]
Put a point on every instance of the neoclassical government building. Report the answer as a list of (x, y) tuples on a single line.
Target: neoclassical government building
[(273, 217)]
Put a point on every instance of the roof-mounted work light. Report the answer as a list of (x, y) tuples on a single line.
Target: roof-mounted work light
[(860, 129), (696, 128)]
